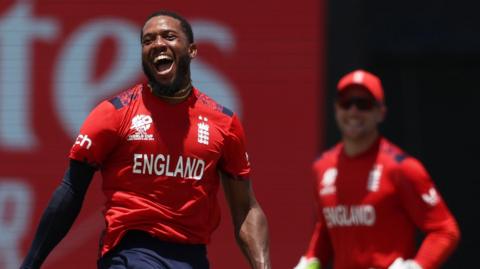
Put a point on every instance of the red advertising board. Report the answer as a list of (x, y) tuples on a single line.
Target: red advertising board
[(58, 59)]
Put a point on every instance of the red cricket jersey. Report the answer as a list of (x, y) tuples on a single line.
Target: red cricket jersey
[(160, 162), (370, 206)]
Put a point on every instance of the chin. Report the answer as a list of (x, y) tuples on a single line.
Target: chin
[(354, 135), (164, 82)]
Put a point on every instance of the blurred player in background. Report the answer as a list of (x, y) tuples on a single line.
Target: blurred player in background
[(372, 198), (163, 148)]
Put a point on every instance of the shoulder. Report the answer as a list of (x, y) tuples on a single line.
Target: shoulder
[(392, 153), (402, 164), (125, 97), (110, 110), (327, 157), (107, 117), (210, 105)]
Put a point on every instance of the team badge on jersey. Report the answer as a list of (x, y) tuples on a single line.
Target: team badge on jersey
[(141, 124), (203, 134), (328, 181), (374, 178)]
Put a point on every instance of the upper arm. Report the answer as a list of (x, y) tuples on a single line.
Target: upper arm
[(429, 212), (234, 160), (239, 195), (78, 176), (234, 168), (98, 135), (420, 197)]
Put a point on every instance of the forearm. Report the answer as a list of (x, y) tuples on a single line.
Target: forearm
[(54, 225), (437, 247), (250, 223), (61, 212), (253, 238)]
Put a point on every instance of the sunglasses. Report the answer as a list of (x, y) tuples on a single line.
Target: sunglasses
[(363, 104)]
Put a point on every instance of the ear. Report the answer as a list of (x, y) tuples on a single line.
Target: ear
[(382, 113), (192, 50)]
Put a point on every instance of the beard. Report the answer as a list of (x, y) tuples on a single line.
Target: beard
[(182, 74)]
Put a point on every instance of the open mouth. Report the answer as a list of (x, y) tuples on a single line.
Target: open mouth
[(163, 63), (354, 122)]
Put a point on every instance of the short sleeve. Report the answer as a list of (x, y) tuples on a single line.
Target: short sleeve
[(234, 160), (98, 135)]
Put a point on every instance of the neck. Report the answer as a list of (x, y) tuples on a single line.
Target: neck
[(354, 147), (178, 97)]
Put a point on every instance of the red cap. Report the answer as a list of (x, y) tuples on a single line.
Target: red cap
[(363, 79)]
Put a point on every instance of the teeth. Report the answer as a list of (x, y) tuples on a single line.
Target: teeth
[(161, 57)]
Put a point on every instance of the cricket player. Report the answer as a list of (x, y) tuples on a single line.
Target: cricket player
[(163, 148), (371, 196)]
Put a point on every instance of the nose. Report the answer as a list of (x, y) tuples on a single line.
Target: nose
[(159, 41), (352, 108)]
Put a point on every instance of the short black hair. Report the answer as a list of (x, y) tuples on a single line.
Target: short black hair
[(187, 28)]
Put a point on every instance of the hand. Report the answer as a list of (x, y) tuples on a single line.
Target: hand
[(400, 263), (308, 263)]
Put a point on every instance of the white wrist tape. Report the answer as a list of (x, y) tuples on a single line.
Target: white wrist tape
[(308, 263), (400, 263)]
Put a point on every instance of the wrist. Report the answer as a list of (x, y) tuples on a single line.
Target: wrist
[(412, 264), (262, 265), (400, 263), (308, 263)]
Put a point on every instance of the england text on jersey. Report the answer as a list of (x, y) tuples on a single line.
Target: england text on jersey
[(357, 215), (164, 164)]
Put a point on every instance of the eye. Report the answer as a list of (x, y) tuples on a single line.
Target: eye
[(147, 40), (170, 36)]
